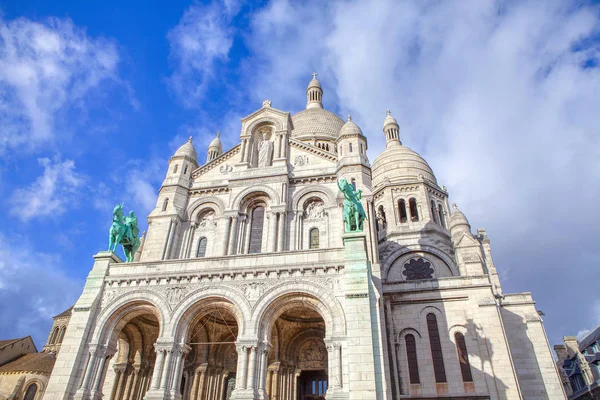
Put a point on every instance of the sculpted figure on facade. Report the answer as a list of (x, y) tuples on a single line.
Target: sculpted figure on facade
[(354, 213), (124, 231), (265, 151)]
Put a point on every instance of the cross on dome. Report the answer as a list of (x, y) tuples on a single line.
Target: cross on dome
[(388, 112), (349, 117), (314, 75), (190, 139)]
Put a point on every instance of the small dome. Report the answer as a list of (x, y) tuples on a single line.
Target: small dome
[(216, 142), (314, 82), (187, 150), (316, 122), (399, 163), (389, 119), (350, 128), (458, 220)]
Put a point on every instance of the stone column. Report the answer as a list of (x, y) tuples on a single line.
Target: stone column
[(251, 384), (167, 370), (281, 238), (91, 368), (180, 354), (272, 245), (158, 367), (99, 378), (226, 234), (128, 385), (194, 389), (190, 243), (118, 379), (243, 150), (275, 383), (262, 372), (202, 379), (241, 367), (233, 235), (295, 384), (268, 384)]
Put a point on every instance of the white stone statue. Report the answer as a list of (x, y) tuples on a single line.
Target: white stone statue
[(265, 152)]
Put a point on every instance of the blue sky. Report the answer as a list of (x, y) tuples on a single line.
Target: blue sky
[(501, 98)]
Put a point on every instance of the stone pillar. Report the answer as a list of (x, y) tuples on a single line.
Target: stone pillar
[(118, 380), (202, 379), (158, 367), (243, 150), (98, 381), (190, 243), (180, 354), (242, 367), (251, 383), (262, 373), (275, 382), (272, 245), (226, 234), (91, 369), (281, 237), (233, 235), (128, 385), (167, 370), (364, 352)]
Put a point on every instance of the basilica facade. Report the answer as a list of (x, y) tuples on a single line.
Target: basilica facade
[(247, 285)]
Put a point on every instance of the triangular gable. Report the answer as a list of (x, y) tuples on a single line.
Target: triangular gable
[(216, 162), (313, 150), (467, 240)]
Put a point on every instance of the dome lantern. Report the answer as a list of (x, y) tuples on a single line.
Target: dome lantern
[(314, 93), (391, 130)]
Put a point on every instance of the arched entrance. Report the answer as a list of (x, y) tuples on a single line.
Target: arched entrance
[(129, 372), (209, 371), (298, 360)]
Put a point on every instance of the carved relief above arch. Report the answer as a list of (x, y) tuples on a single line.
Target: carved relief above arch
[(277, 124)]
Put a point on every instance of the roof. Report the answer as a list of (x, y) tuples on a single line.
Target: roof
[(4, 343), (34, 362), (316, 122), (589, 339), (399, 163), (66, 313)]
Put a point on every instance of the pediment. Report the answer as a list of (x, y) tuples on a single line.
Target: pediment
[(312, 150), (267, 114), (467, 241)]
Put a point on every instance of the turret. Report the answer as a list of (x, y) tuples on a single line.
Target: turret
[(215, 148), (458, 223), (164, 222), (314, 93), (352, 145)]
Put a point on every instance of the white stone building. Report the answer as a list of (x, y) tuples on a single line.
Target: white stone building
[(247, 287)]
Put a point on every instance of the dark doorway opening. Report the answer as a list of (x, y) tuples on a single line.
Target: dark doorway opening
[(312, 385)]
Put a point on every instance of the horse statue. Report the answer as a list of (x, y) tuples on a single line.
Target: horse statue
[(354, 213), (124, 231)]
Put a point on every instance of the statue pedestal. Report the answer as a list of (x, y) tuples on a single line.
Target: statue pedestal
[(364, 352)]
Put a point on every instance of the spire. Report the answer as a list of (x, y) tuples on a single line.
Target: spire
[(458, 221), (314, 93), (215, 148), (391, 130), (187, 150)]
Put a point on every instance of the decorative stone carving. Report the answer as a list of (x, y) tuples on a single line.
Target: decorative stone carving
[(208, 220), (301, 160), (266, 103), (315, 210), (175, 294), (418, 268), (313, 355), (225, 168)]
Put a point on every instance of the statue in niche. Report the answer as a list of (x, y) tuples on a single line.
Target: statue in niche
[(315, 210), (265, 151)]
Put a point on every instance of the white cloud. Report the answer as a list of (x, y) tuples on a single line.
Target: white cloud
[(27, 305), (51, 194), (500, 97), (198, 43), (45, 68)]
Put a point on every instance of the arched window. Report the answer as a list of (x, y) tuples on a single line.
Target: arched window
[(381, 218), (165, 204), (53, 337), (353, 181), (436, 349), (441, 215), (414, 214), (361, 149), (463, 357), (314, 238), (202, 247), (185, 170), (350, 146), (61, 335), (256, 230), (30, 392), (411, 355), (402, 210), (434, 212), (175, 168)]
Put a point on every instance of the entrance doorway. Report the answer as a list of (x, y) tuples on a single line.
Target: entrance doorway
[(312, 385)]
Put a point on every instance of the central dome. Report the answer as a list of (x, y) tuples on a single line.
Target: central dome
[(316, 122), (398, 163)]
